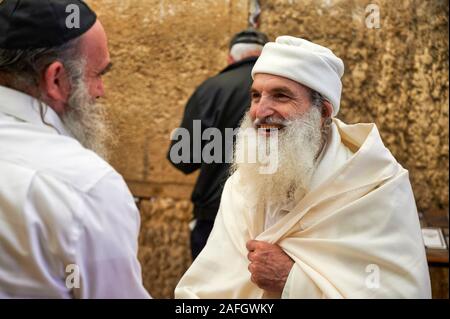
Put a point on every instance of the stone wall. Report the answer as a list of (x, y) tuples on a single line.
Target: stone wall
[(164, 243), (396, 76), (161, 50)]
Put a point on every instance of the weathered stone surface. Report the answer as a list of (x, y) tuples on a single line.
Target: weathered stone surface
[(164, 244), (161, 51)]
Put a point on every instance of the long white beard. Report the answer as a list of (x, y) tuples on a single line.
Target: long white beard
[(86, 120), (298, 146)]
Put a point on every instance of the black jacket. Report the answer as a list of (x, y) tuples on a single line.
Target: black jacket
[(220, 102)]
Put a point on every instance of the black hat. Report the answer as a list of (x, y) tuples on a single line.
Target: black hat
[(32, 24), (249, 35)]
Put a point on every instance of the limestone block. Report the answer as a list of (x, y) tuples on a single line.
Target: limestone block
[(161, 50), (164, 244)]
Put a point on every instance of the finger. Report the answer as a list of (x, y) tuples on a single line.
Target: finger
[(251, 245), (257, 281), (253, 279), (251, 268), (252, 256)]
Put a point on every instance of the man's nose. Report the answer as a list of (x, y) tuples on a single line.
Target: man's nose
[(264, 108), (100, 90)]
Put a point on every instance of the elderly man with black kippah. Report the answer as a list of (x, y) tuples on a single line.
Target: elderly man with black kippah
[(335, 218), (68, 223)]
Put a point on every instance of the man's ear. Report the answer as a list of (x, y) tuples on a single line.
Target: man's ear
[(327, 109), (230, 59), (56, 85)]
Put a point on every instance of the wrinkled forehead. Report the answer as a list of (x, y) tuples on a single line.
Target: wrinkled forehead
[(265, 81), (94, 45)]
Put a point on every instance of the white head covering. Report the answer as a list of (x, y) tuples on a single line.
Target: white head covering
[(305, 62)]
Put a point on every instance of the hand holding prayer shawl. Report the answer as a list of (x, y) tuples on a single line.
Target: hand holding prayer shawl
[(357, 235)]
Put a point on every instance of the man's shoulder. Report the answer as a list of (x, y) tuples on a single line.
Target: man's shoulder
[(228, 78), (60, 157), (59, 178)]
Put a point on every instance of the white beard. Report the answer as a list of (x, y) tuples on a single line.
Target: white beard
[(299, 143), (86, 120)]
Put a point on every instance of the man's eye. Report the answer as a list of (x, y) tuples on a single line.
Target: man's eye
[(280, 96), (255, 95)]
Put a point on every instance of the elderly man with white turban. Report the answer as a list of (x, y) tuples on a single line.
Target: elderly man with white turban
[(336, 219)]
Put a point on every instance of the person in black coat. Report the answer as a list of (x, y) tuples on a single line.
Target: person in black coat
[(220, 102)]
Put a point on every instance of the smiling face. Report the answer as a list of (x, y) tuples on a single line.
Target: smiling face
[(275, 101), (297, 116)]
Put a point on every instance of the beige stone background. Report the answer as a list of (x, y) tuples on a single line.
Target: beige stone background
[(396, 76)]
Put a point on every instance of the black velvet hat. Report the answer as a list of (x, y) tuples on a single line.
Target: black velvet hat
[(32, 24)]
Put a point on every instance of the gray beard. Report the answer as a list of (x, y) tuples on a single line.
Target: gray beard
[(86, 120), (299, 144)]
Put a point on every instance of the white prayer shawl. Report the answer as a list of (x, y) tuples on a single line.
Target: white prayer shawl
[(356, 235)]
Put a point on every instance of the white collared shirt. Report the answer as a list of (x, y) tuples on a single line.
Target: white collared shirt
[(68, 223)]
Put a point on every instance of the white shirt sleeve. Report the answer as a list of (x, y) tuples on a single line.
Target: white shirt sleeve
[(106, 245)]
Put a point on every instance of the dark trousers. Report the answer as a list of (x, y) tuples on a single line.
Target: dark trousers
[(199, 236)]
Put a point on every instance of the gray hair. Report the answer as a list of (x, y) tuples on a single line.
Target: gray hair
[(241, 51), (318, 100), (23, 68)]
